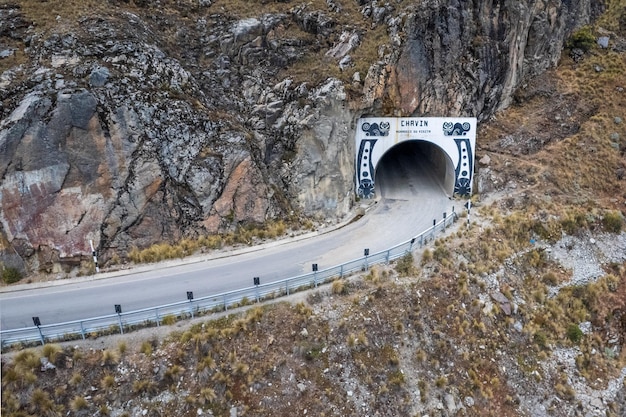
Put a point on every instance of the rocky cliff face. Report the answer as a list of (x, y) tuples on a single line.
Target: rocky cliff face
[(148, 121)]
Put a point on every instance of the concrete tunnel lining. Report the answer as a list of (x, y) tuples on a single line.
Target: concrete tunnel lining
[(418, 158)]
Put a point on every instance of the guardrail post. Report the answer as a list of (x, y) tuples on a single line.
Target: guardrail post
[(287, 286), (225, 306), (190, 298), (118, 310), (387, 257), (158, 319), (434, 228), (257, 282), (341, 271), (37, 323), (421, 240), (82, 330), (444, 220)]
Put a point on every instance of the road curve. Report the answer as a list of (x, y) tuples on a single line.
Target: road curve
[(411, 198)]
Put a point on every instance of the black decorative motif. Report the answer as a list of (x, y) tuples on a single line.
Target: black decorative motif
[(464, 168), (365, 169), (375, 129), (455, 129)]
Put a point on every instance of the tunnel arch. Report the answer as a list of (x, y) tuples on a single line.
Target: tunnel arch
[(417, 157)]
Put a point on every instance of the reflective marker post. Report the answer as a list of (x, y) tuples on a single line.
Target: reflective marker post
[(95, 257), (257, 282), (190, 298), (314, 268), (38, 323), (118, 310)]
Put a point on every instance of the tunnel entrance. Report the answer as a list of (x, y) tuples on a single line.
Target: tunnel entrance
[(440, 148), (413, 169)]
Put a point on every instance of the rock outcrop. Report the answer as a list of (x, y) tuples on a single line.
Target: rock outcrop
[(119, 131)]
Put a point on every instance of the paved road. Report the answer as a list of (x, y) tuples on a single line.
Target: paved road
[(410, 200)]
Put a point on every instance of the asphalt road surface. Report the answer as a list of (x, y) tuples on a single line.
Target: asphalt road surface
[(410, 198)]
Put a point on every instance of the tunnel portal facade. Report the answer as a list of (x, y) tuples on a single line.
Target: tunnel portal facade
[(454, 136)]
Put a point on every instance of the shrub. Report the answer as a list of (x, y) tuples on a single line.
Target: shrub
[(107, 382), (441, 253), (144, 386), (582, 39), (27, 359), (146, 348), (255, 314), (76, 378), (276, 229), (240, 368), (541, 339), (550, 278), (427, 256), (396, 378), (78, 404), (41, 401), (613, 222), (207, 395), (51, 351), (373, 275), (565, 391), (109, 357), (421, 384), (574, 334), (173, 373), (168, 319), (339, 287), (11, 275), (405, 266), (114, 260), (303, 310)]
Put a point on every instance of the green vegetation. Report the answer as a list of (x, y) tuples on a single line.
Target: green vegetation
[(613, 221), (574, 334), (582, 39), (10, 275), (405, 266)]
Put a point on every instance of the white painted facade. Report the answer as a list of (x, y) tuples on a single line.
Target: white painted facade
[(454, 136)]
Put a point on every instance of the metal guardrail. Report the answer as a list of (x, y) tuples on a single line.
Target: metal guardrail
[(156, 316)]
